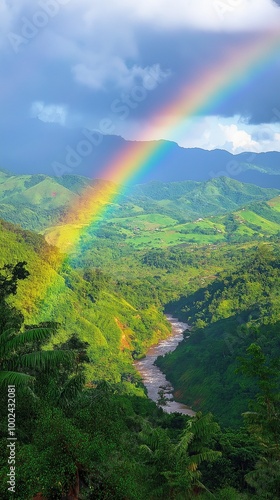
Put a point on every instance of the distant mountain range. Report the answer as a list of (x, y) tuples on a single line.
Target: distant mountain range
[(176, 164)]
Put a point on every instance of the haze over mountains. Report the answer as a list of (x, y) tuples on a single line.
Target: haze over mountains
[(177, 163)]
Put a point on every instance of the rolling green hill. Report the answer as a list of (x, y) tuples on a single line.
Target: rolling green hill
[(159, 239), (39, 202), (93, 308), (192, 248), (255, 221)]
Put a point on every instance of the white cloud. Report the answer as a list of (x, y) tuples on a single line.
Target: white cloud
[(238, 140), (209, 132), (101, 43), (200, 14), (81, 17), (51, 113)]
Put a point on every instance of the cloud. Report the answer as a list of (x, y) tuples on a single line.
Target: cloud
[(238, 140), (91, 53), (236, 15), (115, 73), (214, 132), (51, 113), (263, 134)]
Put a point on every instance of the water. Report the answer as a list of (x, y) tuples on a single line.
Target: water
[(153, 379)]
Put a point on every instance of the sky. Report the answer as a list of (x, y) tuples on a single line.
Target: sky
[(68, 65)]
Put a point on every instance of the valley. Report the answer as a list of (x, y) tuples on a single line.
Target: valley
[(158, 388), (206, 253), (140, 250)]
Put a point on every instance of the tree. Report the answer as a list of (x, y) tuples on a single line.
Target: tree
[(20, 353), (178, 463), (14, 366), (263, 421), (9, 277)]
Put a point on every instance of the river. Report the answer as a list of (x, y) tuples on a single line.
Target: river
[(153, 379)]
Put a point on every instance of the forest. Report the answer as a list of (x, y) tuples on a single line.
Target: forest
[(72, 325)]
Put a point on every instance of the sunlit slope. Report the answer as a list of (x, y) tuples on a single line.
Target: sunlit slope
[(258, 220), (157, 231), (92, 309), (157, 214), (148, 216), (38, 202)]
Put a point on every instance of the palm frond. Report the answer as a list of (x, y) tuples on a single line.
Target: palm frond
[(203, 425), (28, 337), (5, 336), (146, 450), (182, 447), (71, 389), (15, 378), (45, 360), (206, 456)]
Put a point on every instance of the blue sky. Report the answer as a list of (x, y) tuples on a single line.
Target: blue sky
[(71, 64)]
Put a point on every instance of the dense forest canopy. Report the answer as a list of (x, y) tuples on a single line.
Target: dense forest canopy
[(71, 327)]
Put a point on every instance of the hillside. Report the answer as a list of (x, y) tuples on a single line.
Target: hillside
[(151, 228), (40, 203), (86, 303), (237, 309), (190, 199), (108, 299)]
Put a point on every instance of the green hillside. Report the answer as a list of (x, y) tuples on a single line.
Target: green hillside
[(39, 202), (189, 199), (149, 222), (237, 309), (85, 423), (94, 309), (256, 221)]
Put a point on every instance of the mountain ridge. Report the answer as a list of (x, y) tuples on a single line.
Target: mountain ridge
[(177, 164)]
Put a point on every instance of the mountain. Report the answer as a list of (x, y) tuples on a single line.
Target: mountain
[(177, 163), (190, 199), (109, 304), (258, 220), (39, 202)]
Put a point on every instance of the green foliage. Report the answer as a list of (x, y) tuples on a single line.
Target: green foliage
[(86, 429), (9, 278), (177, 464), (19, 358), (235, 310), (85, 301), (264, 421)]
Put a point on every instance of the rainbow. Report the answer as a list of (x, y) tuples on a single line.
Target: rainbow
[(208, 89), (205, 92)]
